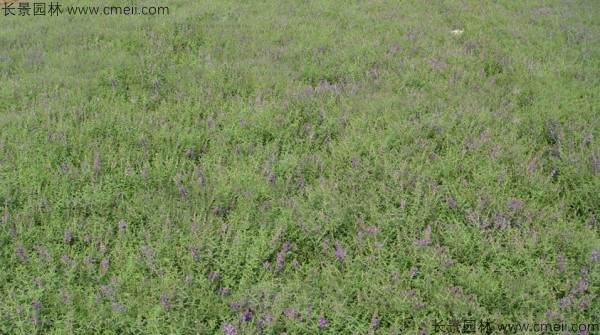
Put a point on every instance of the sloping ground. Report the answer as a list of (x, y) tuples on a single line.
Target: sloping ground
[(300, 167)]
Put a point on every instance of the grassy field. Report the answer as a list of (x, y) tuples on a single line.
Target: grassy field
[(301, 167)]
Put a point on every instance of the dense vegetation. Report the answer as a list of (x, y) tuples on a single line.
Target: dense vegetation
[(302, 167)]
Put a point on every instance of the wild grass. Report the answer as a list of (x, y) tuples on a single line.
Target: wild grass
[(302, 167)]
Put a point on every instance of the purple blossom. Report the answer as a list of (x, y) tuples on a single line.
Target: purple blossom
[(290, 313), (68, 237), (20, 309), (183, 192), (188, 278), (340, 253), (108, 291), (451, 202), (165, 302), (235, 306), (272, 178), (374, 322), (280, 260), (22, 254), (595, 255), (584, 271), (156, 84), (248, 315), (426, 237), (561, 262), (414, 271), (144, 143), (229, 329), (355, 162), (37, 305), (214, 275), (322, 323), (122, 225), (243, 123), (267, 265), (42, 252), (223, 291), (117, 307), (394, 276), (104, 263), (194, 252)]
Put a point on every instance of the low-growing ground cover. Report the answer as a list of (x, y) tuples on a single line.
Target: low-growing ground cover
[(300, 167)]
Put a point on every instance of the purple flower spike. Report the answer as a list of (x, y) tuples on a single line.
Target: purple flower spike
[(37, 305), (561, 262), (183, 192), (22, 254), (229, 329), (194, 253), (165, 302), (235, 307)]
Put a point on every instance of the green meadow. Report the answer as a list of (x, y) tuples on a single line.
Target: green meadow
[(301, 167)]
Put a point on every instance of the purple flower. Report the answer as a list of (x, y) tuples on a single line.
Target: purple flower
[(355, 162), (107, 291), (37, 305), (117, 307), (584, 271), (290, 313), (22, 254), (414, 271), (113, 82), (214, 275), (248, 315), (156, 84), (144, 143), (183, 192), (426, 237), (188, 278), (595, 255), (286, 246), (68, 237), (451, 202), (223, 291), (243, 123), (229, 329), (561, 262), (322, 323), (340, 253), (235, 306), (267, 265), (122, 225), (104, 263), (165, 302), (20, 309), (194, 252), (280, 260), (374, 322)]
